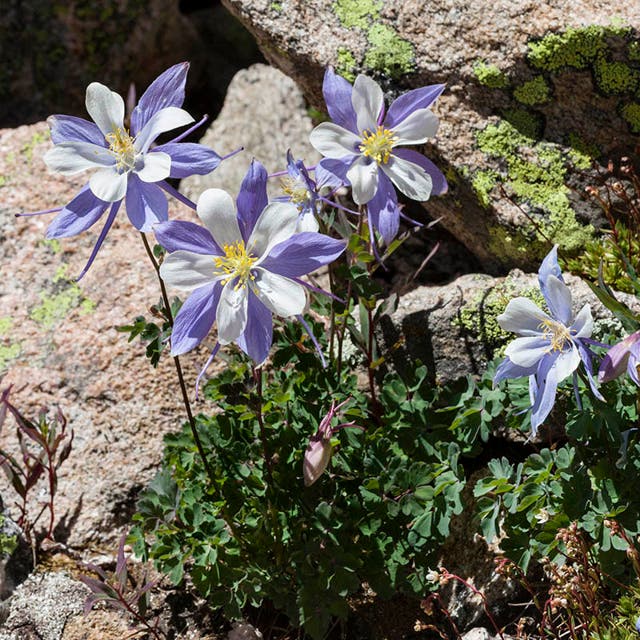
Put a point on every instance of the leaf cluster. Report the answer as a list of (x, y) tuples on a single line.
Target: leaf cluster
[(154, 333), (589, 476), (257, 533), (122, 593)]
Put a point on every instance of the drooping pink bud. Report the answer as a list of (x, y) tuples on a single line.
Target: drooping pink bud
[(318, 452), (316, 459)]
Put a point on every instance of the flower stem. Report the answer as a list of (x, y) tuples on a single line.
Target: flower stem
[(176, 360), (257, 376)]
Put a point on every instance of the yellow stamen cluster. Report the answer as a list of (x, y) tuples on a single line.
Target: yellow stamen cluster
[(295, 190), (378, 144), (556, 333), (236, 263), (121, 145)]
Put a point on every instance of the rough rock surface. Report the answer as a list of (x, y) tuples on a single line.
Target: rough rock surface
[(264, 112), (59, 346), (41, 607), (533, 89), (451, 328)]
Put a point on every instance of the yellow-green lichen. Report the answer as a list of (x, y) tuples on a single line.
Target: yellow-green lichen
[(359, 14), (489, 75), (533, 92), (37, 138), (577, 48), (54, 308), (535, 173), (276, 6), (388, 52), (8, 541), (615, 77), (581, 152), (479, 317), (528, 123), (483, 182), (53, 244), (514, 245), (631, 113), (9, 350), (346, 65)]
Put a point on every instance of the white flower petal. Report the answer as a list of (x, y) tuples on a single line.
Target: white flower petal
[(363, 175), (367, 100), (566, 363), (410, 178), (164, 120), (105, 107), (187, 270), (72, 157), (583, 324), (280, 295), (522, 316), (417, 128), (525, 352), (156, 167), (276, 223), (218, 212), (108, 185), (332, 141), (232, 312), (307, 222)]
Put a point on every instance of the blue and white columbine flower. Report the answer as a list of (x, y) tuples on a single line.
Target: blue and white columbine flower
[(363, 146), (126, 167), (302, 190), (551, 346), (241, 268)]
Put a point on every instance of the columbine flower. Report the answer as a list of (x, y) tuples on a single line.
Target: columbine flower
[(301, 190), (362, 145), (319, 449), (126, 166), (621, 356), (242, 268), (551, 346)]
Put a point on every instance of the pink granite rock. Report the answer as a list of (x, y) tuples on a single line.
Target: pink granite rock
[(528, 85), (59, 345)]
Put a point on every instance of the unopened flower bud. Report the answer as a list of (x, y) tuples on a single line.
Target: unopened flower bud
[(316, 459)]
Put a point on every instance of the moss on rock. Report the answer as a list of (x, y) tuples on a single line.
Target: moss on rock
[(533, 92), (489, 75), (483, 182), (357, 13), (388, 52), (9, 350), (614, 78), (631, 113), (479, 316), (535, 173), (55, 307), (577, 48), (347, 65)]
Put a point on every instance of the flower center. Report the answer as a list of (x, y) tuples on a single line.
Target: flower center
[(556, 333), (236, 263), (378, 144), (296, 191), (121, 145)]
